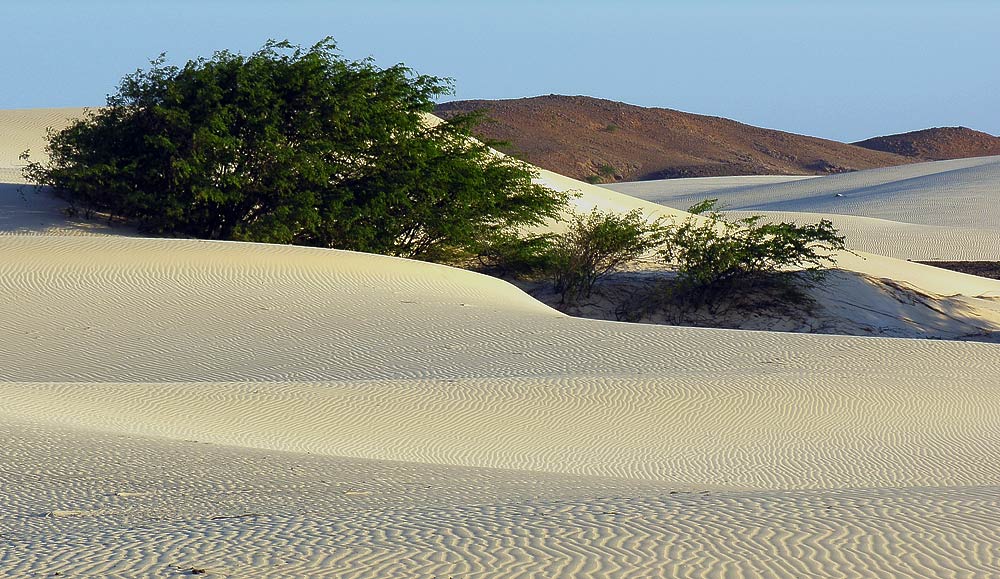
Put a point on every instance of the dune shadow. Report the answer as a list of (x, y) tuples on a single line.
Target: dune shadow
[(843, 302)]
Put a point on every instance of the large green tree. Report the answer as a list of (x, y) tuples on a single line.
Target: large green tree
[(292, 145)]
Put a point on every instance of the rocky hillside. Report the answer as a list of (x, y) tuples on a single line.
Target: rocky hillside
[(936, 144), (601, 141)]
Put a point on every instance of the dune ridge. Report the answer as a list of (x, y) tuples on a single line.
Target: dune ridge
[(598, 452)]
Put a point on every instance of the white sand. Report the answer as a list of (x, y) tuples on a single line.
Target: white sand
[(25, 130), (266, 411), (857, 301), (902, 240), (944, 210)]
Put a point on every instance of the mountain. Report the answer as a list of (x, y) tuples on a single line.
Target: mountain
[(936, 144), (601, 141)]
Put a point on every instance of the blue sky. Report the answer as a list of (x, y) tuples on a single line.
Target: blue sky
[(843, 70)]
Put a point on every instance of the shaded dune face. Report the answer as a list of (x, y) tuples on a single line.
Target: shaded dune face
[(174, 407)]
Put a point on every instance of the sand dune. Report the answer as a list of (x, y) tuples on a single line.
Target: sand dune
[(958, 193), (244, 513), (945, 210), (899, 240), (25, 129), (863, 299), (173, 407), (298, 350), (879, 247)]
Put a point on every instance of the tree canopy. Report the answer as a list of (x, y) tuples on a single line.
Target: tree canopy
[(292, 145)]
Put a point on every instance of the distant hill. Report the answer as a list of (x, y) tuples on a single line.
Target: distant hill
[(936, 144), (603, 141)]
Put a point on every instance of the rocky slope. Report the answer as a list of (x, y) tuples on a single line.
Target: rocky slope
[(936, 144), (602, 141)]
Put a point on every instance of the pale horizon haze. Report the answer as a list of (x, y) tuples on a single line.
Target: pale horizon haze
[(837, 70)]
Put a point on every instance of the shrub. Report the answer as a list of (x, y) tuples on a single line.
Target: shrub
[(292, 145), (716, 256), (598, 244)]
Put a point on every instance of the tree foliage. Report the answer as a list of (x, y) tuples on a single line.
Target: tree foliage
[(512, 254), (292, 145), (716, 255)]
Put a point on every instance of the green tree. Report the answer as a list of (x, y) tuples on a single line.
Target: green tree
[(292, 145)]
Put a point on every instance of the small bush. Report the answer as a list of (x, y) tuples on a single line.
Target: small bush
[(598, 244), (714, 257)]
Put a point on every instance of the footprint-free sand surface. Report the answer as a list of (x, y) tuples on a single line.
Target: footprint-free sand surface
[(942, 210), (172, 407)]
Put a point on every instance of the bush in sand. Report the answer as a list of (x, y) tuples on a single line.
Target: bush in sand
[(596, 245), (292, 145), (716, 256)]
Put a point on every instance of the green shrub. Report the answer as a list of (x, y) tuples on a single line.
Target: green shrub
[(292, 145), (716, 256), (598, 244)]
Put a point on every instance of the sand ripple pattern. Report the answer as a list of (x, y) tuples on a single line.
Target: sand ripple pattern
[(778, 431), (170, 407), (140, 310), (244, 513)]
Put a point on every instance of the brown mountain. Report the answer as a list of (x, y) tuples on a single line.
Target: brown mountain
[(601, 140), (936, 144)]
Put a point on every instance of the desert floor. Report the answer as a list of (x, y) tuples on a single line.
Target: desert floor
[(172, 407)]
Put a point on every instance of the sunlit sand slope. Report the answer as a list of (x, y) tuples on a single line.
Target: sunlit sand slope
[(902, 240), (25, 130), (356, 359)]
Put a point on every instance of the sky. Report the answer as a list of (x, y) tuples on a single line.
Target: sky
[(843, 70)]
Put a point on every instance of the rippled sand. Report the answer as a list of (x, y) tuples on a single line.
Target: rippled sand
[(172, 407)]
